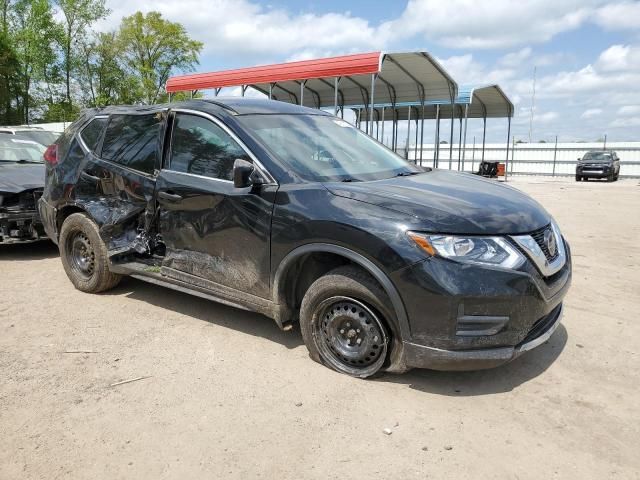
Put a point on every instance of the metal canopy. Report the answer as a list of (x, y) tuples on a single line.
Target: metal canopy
[(397, 77), (483, 102)]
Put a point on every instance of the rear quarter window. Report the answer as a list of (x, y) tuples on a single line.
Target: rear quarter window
[(132, 141), (92, 133)]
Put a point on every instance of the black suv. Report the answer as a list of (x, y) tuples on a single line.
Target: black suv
[(598, 164), (296, 214)]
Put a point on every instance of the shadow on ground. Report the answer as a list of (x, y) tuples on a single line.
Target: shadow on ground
[(209, 311), (28, 251), (483, 382)]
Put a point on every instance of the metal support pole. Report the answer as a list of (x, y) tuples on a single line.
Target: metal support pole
[(191, 94), (271, 91), (436, 146), (383, 126), (358, 120), (473, 153), (373, 90), (484, 134), (605, 142), (422, 132), (302, 84), (242, 90), (453, 118), (169, 97), (506, 163), (460, 143), (464, 143), (555, 154), (415, 148), (336, 80), (408, 131)]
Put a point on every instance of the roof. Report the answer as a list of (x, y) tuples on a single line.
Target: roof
[(232, 105), (483, 101), (400, 77)]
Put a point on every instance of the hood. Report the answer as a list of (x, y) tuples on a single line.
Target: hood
[(17, 177), (451, 202)]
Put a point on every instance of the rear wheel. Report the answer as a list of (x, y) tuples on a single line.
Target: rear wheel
[(343, 319), (84, 255), (578, 178)]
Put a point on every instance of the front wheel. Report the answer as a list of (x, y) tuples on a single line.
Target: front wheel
[(578, 178), (343, 319), (84, 255)]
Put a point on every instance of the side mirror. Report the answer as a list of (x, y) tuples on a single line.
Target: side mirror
[(579, 159), (242, 171)]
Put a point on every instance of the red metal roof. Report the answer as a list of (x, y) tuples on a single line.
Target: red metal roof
[(358, 64)]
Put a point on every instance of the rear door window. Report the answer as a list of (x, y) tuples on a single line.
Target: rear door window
[(132, 141), (92, 133), (201, 147)]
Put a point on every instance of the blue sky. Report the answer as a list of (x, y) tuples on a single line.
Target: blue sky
[(587, 52)]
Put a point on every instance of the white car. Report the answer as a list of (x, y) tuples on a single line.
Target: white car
[(36, 134)]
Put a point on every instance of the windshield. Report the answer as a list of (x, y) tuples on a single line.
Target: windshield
[(597, 156), (323, 148), (43, 137), (14, 150)]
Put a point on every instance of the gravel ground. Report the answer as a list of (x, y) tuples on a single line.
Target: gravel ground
[(228, 395)]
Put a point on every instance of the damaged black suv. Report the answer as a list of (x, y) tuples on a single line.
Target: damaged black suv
[(296, 214)]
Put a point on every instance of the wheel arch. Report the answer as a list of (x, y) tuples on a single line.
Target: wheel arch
[(280, 294)]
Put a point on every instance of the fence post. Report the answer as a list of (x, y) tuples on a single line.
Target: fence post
[(555, 154)]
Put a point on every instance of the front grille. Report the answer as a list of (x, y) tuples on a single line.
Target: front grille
[(538, 236)]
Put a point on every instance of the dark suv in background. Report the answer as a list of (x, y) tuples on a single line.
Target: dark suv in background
[(296, 214), (598, 164)]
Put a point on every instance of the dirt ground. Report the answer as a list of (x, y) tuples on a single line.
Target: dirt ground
[(228, 395)]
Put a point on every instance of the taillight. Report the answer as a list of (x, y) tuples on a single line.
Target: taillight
[(51, 154)]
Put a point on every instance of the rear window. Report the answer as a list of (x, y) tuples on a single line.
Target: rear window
[(132, 141), (92, 133)]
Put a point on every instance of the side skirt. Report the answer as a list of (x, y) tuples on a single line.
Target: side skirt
[(200, 287)]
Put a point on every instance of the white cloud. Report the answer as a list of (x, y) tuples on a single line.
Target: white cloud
[(619, 57), (515, 59), (618, 16), (591, 112), (237, 28), (628, 110), (500, 24), (625, 122)]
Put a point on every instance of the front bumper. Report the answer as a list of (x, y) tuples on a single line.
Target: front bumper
[(421, 356), (21, 227), (594, 171), (468, 317)]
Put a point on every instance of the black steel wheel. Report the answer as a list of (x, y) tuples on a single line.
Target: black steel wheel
[(349, 335), (348, 323), (81, 254), (84, 255)]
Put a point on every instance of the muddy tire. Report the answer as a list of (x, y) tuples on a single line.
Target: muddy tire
[(84, 255), (344, 319)]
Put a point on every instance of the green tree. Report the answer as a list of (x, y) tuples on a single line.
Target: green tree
[(10, 82), (78, 16), (106, 81), (34, 31), (153, 48)]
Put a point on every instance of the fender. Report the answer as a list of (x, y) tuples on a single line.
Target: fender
[(359, 259)]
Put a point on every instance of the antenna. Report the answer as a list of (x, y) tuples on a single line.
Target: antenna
[(533, 103)]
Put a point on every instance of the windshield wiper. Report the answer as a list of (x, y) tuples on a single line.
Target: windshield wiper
[(407, 174)]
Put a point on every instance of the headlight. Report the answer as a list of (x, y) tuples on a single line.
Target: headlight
[(494, 251)]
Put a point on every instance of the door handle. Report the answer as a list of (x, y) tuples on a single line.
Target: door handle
[(171, 197)]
